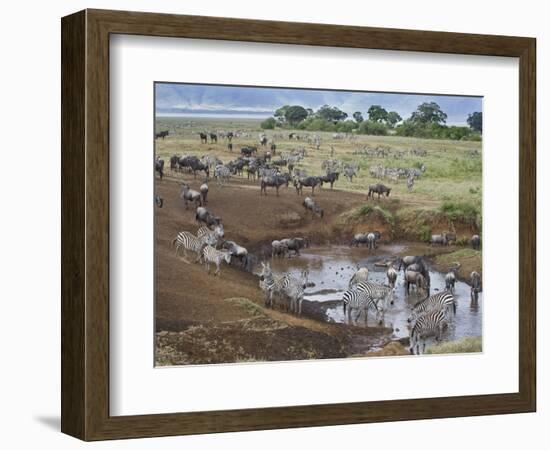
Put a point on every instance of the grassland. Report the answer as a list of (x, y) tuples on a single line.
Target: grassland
[(448, 197)]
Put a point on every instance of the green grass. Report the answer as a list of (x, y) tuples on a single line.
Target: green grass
[(464, 345)]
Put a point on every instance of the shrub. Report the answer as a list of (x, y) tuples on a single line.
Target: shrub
[(268, 124), (464, 345), (373, 128)]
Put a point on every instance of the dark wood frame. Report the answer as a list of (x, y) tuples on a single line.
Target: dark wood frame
[(85, 224)]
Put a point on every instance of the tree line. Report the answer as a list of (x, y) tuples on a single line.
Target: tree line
[(427, 121)]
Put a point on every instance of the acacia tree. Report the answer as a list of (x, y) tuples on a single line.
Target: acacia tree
[(377, 114), (429, 113), (393, 118), (475, 121), (331, 113), (291, 115)]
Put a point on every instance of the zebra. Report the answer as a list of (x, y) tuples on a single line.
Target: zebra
[(211, 255), (188, 241), (443, 300), (360, 300), (391, 273), (294, 290), (410, 183), (222, 173), (371, 241), (432, 323), (272, 284), (350, 172), (211, 236), (380, 293), (204, 192)]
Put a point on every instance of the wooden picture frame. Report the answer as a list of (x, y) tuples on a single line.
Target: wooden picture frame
[(85, 224)]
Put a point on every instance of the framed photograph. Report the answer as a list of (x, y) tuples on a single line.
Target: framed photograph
[(273, 225)]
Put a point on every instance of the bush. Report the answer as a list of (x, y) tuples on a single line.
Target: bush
[(464, 345), (373, 128), (268, 124)]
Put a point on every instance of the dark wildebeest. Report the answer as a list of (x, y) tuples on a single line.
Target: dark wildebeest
[(194, 164), (274, 181), (190, 195), (162, 134), (279, 249), (204, 138), (159, 201), (439, 239), (311, 205), (330, 177), (416, 278), (299, 183), (237, 251), (295, 244), (451, 276), (273, 148), (475, 285), (476, 242), (230, 146), (206, 217), (213, 138), (174, 162), (159, 167), (248, 150), (263, 141), (379, 189)]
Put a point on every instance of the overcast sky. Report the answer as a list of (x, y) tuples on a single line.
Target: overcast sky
[(262, 102)]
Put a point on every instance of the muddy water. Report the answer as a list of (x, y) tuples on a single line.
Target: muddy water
[(330, 269)]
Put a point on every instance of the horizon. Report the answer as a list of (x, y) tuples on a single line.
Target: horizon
[(249, 102)]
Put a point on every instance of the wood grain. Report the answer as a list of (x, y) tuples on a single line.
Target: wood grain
[(85, 224)]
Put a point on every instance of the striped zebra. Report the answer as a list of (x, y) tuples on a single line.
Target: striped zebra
[(410, 183), (271, 284), (443, 300), (361, 275), (222, 174), (264, 172), (432, 323), (211, 255), (381, 294), (294, 290), (210, 237), (188, 241), (362, 302)]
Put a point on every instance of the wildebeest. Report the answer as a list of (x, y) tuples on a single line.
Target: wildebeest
[(159, 167), (190, 195), (406, 261), (300, 182), (273, 148), (174, 162), (439, 239), (194, 164), (391, 273), (213, 138), (360, 275), (295, 244), (248, 150), (204, 138), (236, 251), (204, 216), (363, 238), (274, 181), (204, 192), (230, 146), (379, 189), (162, 134), (451, 276), (313, 206), (475, 285), (416, 278), (330, 177), (263, 141), (476, 242), (279, 249)]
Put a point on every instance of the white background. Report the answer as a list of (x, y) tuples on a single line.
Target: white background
[(137, 387), (30, 230)]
